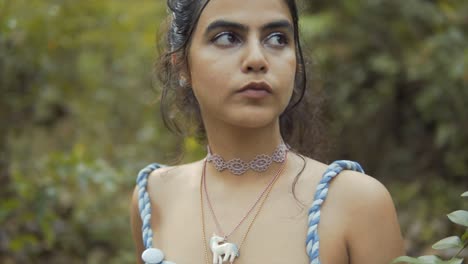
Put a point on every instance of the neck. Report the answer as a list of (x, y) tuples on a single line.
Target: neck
[(244, 143)]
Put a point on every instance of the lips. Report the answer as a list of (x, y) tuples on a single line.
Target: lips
[(256, 86)]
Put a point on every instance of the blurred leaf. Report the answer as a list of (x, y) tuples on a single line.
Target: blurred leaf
[(21, 241), (406, 259), (459, 217), (315, 25), (454, 261), (7, 207), (430, 259), (421, 260), (449, 242), (464, 237)]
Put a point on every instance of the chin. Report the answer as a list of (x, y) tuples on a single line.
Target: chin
[(254, 119)]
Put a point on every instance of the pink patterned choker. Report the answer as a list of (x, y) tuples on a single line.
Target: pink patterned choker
[(259, 164)]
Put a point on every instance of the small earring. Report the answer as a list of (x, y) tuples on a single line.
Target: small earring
[(182, 81)]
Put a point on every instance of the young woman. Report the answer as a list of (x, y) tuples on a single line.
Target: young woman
[(236, 68)]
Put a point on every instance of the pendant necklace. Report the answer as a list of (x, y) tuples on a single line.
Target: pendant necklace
[(222, 250)]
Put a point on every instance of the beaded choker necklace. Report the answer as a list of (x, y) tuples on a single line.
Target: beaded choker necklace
[(259, 164)]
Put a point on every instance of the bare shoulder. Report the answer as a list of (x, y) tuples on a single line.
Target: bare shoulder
[(368, 207), (168, 181), (163, 183), (168, 172), (352, 186), (163, 180), (361, 191)]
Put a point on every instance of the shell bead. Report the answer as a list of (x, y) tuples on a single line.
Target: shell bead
[(152, 256)]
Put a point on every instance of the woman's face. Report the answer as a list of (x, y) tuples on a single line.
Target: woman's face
[(242, 61)]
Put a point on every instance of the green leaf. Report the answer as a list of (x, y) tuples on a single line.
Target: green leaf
[(459, 217), (406, 259), (465, 236), (449, 242), (465, 194), (430, 259), (455, 261)]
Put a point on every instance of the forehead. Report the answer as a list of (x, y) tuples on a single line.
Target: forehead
[(248, 12)]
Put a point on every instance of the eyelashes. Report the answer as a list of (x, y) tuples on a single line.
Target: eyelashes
[(228, 39), (281, 40)]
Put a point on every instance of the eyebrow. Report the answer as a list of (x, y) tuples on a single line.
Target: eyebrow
[(229, 24)]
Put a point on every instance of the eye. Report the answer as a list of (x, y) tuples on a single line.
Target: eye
[(277, 40), (226, 39)]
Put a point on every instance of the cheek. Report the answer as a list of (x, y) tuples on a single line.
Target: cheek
[(287, 75), (292, 64), (207, 79), (209, 73), (287, 71)]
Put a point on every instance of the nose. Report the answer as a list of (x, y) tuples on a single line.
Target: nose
[(255, 60)]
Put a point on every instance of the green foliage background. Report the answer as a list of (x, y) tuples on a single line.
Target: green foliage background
[(79, 115)]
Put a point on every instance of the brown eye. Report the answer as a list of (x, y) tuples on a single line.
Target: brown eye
[(277, 40), (226, 39)]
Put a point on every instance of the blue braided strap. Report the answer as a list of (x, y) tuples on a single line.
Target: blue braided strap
[(312, 241), (144, 206)]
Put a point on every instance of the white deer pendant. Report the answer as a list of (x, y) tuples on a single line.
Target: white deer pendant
[(223, 251)]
